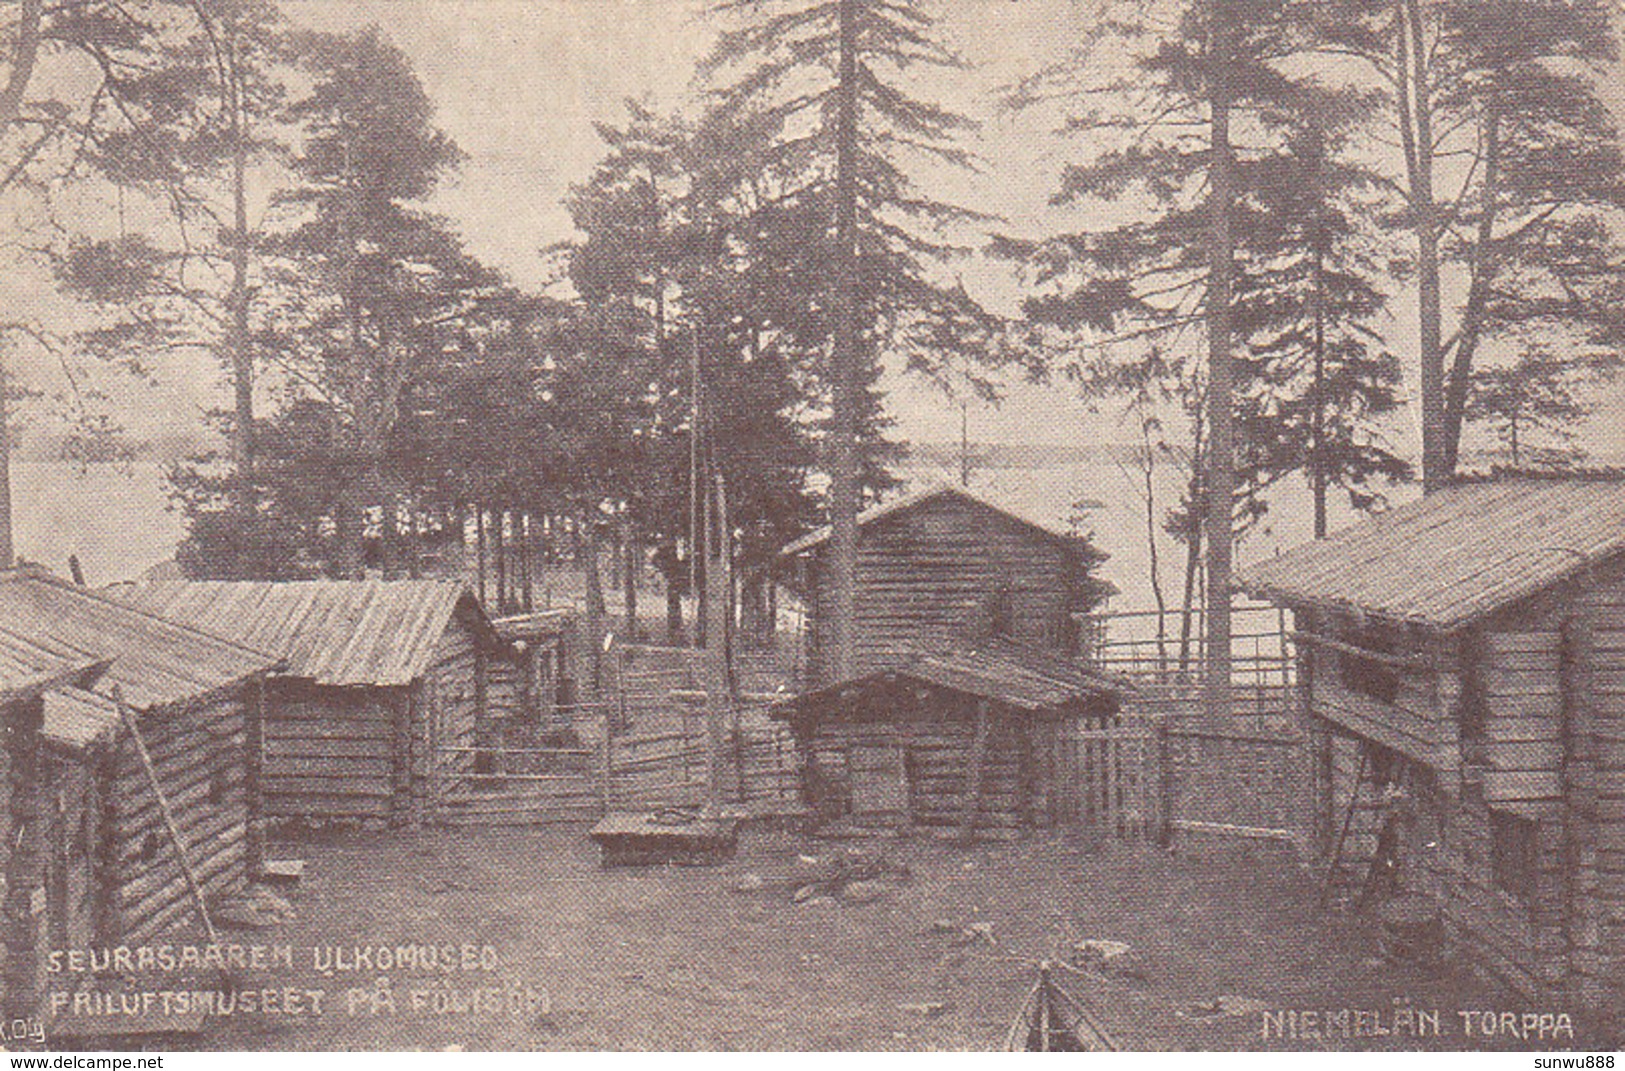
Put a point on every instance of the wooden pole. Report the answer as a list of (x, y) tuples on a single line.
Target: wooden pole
[(716, 644), (25, 885), (605, 762), (185, 860)]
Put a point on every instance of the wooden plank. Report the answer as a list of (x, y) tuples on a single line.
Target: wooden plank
[(1525, 754), (327, 766), (310, 803), (1545, 642), (1522, 785)]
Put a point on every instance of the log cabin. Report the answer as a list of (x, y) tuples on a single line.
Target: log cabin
[(383, 697), (162, 717), (1462, 686), (939, 566), (980, 738)]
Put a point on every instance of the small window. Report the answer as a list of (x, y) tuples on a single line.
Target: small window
[(217, 788), (149, 848), (1369, 676), (1514, 853)]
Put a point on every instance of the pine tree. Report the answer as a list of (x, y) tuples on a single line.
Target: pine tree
[(811, 130), (1510, 167), (1193, 113)]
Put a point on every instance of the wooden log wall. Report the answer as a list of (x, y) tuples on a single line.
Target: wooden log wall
[(1421, 721), (1520, 684), (329, 752), (508, 691), (946, 568), (454, 694), (929, 778), (199, 757), (1519, 941), (1595, 773)]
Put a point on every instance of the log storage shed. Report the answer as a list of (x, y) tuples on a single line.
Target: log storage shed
[(111, 869), (979, 738), (945, 565), (1463, 688), (383, 694)]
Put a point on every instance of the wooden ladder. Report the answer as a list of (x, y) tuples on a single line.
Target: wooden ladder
[(1348, 878)]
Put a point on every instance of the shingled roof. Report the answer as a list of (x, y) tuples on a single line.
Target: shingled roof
[(377, 633), (998, 670), (1456, 555), (916, 499), (152, 661)]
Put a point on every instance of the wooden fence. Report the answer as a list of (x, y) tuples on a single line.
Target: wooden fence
[(1108, 779), (1238, 780), (622, 771)]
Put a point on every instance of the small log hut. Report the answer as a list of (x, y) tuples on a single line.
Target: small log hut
[(113, 837), (384, 696), (941, 565), (974, 738), (533, 692), (1462, 686)]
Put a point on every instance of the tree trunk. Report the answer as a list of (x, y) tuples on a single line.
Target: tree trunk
[(349, 529), (1317, 399), (629, 578), (8, 549), (527, 562), (1416, 136), (1221, 469), (595, 603), (238, 347), (1478, 295), (1152, 550), (499, 525), (479, 552), (839, 640), (675, 577)]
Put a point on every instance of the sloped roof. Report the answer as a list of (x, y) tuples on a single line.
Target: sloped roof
[(914, 500), (376, 633), (153, 662), (999, 671), (31, 664), (76, 720), (1456, 555)]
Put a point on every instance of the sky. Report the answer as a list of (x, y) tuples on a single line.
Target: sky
[(521, 83)]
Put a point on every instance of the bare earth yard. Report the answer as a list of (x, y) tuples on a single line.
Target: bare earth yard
[(673, 957)]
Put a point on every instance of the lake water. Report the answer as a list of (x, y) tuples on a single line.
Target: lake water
[(117, 520)]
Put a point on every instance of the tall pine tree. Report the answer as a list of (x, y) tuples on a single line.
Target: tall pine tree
[(811, 126)]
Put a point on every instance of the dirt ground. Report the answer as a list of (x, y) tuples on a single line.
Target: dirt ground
[(679, 958)]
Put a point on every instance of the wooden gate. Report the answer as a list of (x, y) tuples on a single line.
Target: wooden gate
[(1109, 779)]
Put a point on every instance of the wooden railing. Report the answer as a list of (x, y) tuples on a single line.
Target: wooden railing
[(1146, 647)]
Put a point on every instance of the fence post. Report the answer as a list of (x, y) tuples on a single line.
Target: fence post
[(1165, 784), (605, 763)]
